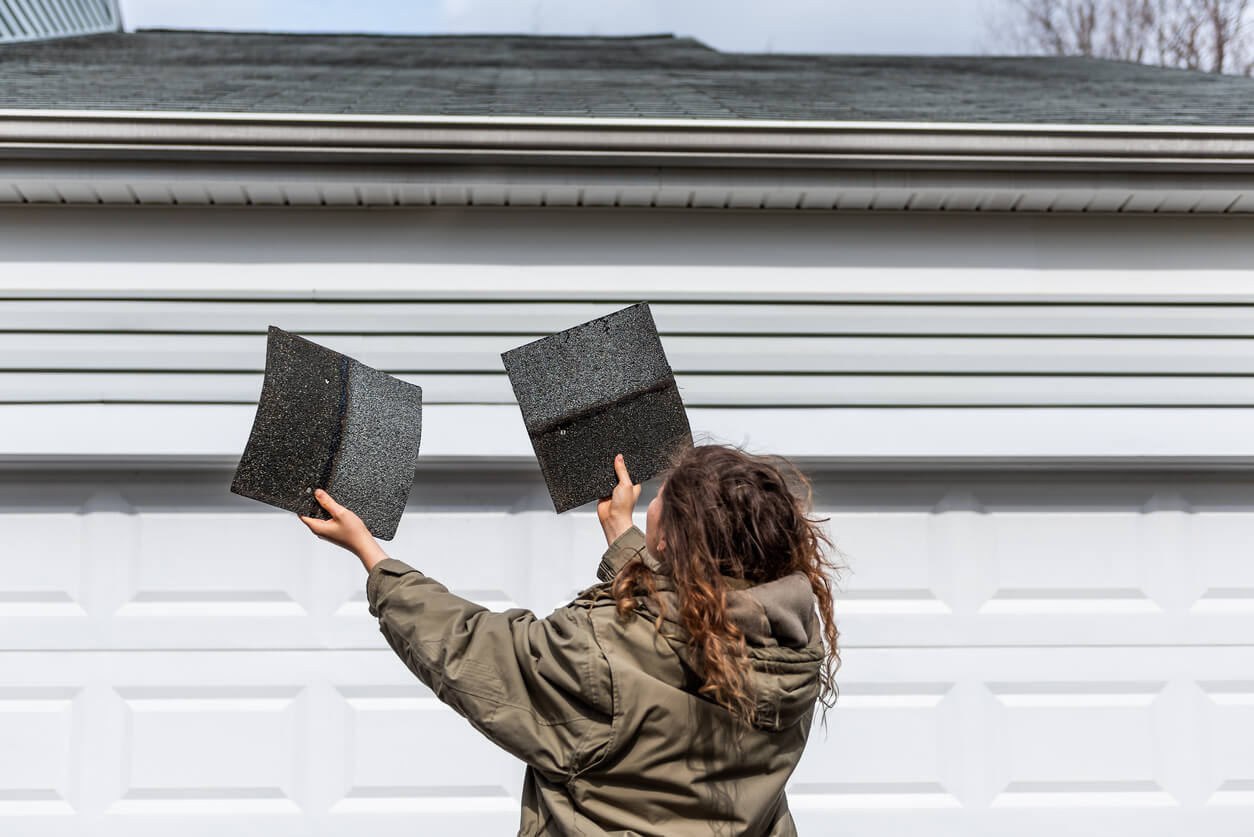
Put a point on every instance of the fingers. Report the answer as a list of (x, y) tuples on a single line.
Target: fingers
[(620, 468), (318, 527), (328, 503)]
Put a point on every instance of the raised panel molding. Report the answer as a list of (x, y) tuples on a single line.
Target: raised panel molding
[(1078, 744), (835, 796), (41, 744), (850, 763), (1228, 719), (1096, 794), (1043, 600), (45, 573), (212, 749), (871, 587), (1226, 600), (1234, 793), (387, 727)]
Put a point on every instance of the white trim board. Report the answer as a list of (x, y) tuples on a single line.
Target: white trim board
[(644, 281), (1132, 437)]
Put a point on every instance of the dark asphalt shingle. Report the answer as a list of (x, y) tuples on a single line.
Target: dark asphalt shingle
[(594, 391), (326, 420), (652, 76)]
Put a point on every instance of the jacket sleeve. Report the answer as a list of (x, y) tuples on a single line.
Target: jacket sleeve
[(628, 545), (539, 688)]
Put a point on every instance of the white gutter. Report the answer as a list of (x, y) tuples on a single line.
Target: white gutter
[(83, 135)]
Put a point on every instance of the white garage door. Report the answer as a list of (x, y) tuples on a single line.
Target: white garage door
[(1025, 654)]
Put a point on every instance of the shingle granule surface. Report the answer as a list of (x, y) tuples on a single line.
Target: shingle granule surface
[(379, 449), (327, 421), (295, 429), (593, 391)]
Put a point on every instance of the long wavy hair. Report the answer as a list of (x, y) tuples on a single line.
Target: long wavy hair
[(726, 514)]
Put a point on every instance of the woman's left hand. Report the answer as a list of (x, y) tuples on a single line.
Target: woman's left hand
[(345, 529)]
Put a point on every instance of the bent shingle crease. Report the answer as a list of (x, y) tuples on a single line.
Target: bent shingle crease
[(326, 420)]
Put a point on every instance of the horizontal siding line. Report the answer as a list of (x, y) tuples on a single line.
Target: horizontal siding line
[(774, 373), (861, 300), (748, 335), (876, 405)]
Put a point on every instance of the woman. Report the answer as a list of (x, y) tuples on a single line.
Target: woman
[(675, 697)]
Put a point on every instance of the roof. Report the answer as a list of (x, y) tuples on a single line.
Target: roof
[(206, 118), (636, 77)]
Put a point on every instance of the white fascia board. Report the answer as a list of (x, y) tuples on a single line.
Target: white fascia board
[(82, 435)]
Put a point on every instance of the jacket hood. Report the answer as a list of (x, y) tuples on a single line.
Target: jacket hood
[(781, 630)]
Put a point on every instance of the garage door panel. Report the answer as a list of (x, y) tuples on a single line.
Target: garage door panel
[(183, 563), (1226, 709), (492, 555), (203, 748), (210, 571), (888, 744), (291, 742), (41, 725), (253, 560), (910, 585), (26, 574), (1228, 586), (177, 561), (1041, 729), (1070, 561), (43, 589), (1001, 668), (330, 739), (1005, 734), (396, 736)]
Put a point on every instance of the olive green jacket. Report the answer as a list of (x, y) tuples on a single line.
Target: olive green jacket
[(606, 712)]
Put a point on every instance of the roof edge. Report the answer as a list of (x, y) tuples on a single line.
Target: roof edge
[(643, 36), (578, 121), (530, 140)]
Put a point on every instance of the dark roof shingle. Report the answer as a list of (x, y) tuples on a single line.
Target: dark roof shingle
[(640, 77)]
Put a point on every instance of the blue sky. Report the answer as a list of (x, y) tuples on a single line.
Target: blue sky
[(877, 26)]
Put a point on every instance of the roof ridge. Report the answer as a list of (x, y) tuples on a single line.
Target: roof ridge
[(654, 36)]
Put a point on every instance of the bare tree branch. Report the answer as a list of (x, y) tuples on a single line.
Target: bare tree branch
[(1212, 35)]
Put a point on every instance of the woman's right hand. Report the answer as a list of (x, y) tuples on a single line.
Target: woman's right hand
[(614, 511)]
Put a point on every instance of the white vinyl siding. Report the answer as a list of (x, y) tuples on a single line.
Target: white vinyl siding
[(170, 306)]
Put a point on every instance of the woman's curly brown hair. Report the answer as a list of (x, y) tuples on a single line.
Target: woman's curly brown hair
[(727, 513)]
